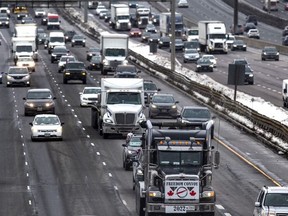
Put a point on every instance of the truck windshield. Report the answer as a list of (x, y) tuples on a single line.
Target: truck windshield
[(115, 52), (276, 199), (180, 158), (57, 39), (124, 98), (179, 26), (123, 17), (24, 49), (217, 36), (193, 32)]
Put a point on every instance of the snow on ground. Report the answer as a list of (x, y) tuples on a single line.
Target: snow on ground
[(256, 103)]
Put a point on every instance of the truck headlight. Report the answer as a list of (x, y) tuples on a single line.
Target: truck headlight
[(153, 106), (251, 75), (154, 194), (84, 41), (207, 194), (73, 41), (48, 104), (30, 104)]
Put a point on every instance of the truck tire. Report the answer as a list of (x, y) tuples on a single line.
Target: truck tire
[(105, 135), (140, 205), (65, 81)]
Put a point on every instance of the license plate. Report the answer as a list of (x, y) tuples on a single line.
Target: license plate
[(47, 134), (39, 108), (164, 110), (175, 209)]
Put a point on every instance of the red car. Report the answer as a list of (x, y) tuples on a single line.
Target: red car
[(286, 7), (135, 32)]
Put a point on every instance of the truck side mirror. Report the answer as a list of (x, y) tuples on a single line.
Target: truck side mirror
[(31, 123), (257, 204)]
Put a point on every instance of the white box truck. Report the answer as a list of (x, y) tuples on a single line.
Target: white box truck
[(121, 107), (24, 42), (120, 17), (56, 38), (114, 51), (212, 36), (191, 34), (273, 5)]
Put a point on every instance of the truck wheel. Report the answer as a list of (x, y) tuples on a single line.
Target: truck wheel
[(140, 205), (94, 119), (64, 81), (126, 166)]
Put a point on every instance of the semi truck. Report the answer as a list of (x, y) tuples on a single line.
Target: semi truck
[(120, 17), (143, 16), (212, 36), (53, 21), (173, 172), (23, 42), (120, 109), (166, 24), (114, 51)]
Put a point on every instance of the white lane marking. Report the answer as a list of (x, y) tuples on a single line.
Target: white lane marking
[(115, 187), (219, 206), (124, 202), (98, 153), (110, 175), (227, 214), (104, 163), (2, 36)]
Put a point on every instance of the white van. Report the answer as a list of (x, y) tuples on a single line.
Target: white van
[(285, 92), (55, 39)]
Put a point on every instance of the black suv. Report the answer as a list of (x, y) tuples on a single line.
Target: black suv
[(270, 52), (69, 35), (164, 42), (57, 52), (74, 71)]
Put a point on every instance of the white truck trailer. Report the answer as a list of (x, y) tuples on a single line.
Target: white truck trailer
[(114, 51), (212, 36), (120, 17), (120, 109), (24, 42)]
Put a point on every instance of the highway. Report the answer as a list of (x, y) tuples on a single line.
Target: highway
[(83, 174)]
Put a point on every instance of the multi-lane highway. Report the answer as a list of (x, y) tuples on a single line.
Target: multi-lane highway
[(83, 174)]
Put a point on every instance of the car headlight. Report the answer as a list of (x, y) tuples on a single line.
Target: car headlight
[(84, 41), (153, 106), (67, 73), (174, 107), (83, 73), (264, 53), (48, 104), (130, 152), (277, 53), (53, 54), (73, 41), (251, 75), (59, 130), (84, 98), (34, 130), (244, 45), (30, 104), (198, 66)]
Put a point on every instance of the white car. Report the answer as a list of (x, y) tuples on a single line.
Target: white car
[(212, 59), (183, 4), (26, 61), (99, 9), (89, 96), (230, 40), (46, 126), (253, 33), (63, 60)]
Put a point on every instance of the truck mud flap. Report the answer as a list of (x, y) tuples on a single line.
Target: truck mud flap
[(94, 118)]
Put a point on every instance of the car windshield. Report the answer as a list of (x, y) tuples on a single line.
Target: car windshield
[(78, 37), (135, 142), (180, 158), (66, 58), (75, 66), (59, 50), (124, 98), (193, 32), (239, 42), (163, 99), (39, 95), (23, 70), (196, 113), (57, 39), (189, 51), (276, 199), (92, 91), (178, 41), (101, 7), (150, 86), (240, 61), (204, 61), (270, 49), (24, 48), (47, 120), (96, 58)]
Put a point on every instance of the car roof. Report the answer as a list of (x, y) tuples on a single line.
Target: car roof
[(39, 89), (92, 87), (46, 115), (195, 107), (276, 189), (163, 94)]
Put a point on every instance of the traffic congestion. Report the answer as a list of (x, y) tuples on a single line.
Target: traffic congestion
[(86, 131)]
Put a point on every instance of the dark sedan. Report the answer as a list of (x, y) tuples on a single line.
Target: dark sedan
[(145, 36), (196, 115), (164, 42), (151, 28), (238, 45), (107, 16), (4, 22), (154, 38), (94, 63), (92, 52), (270, 52), (57, 52), (131, 147), (249, 75), (74, 71), (78, 40), (204, 65), (163, 105), (41, 38), (179, 45), (69, 35)]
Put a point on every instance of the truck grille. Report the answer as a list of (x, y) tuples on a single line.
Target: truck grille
[(124, 25), (125, 118), (115, 63), (218, 45), (282, 214)]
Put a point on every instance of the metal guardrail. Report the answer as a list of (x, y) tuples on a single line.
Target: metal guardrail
[(263, 127)]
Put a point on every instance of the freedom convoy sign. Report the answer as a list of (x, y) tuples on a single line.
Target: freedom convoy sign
[(187, 190)]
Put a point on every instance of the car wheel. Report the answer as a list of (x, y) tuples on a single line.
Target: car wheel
[(84, 81), (84, 45), (105, 136), (64, 81), (277, 59), (127, 167), (32, 139), (72, 45), (244, 49)]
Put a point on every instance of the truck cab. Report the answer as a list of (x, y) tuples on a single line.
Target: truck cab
[(55, 39), (53, 21)]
